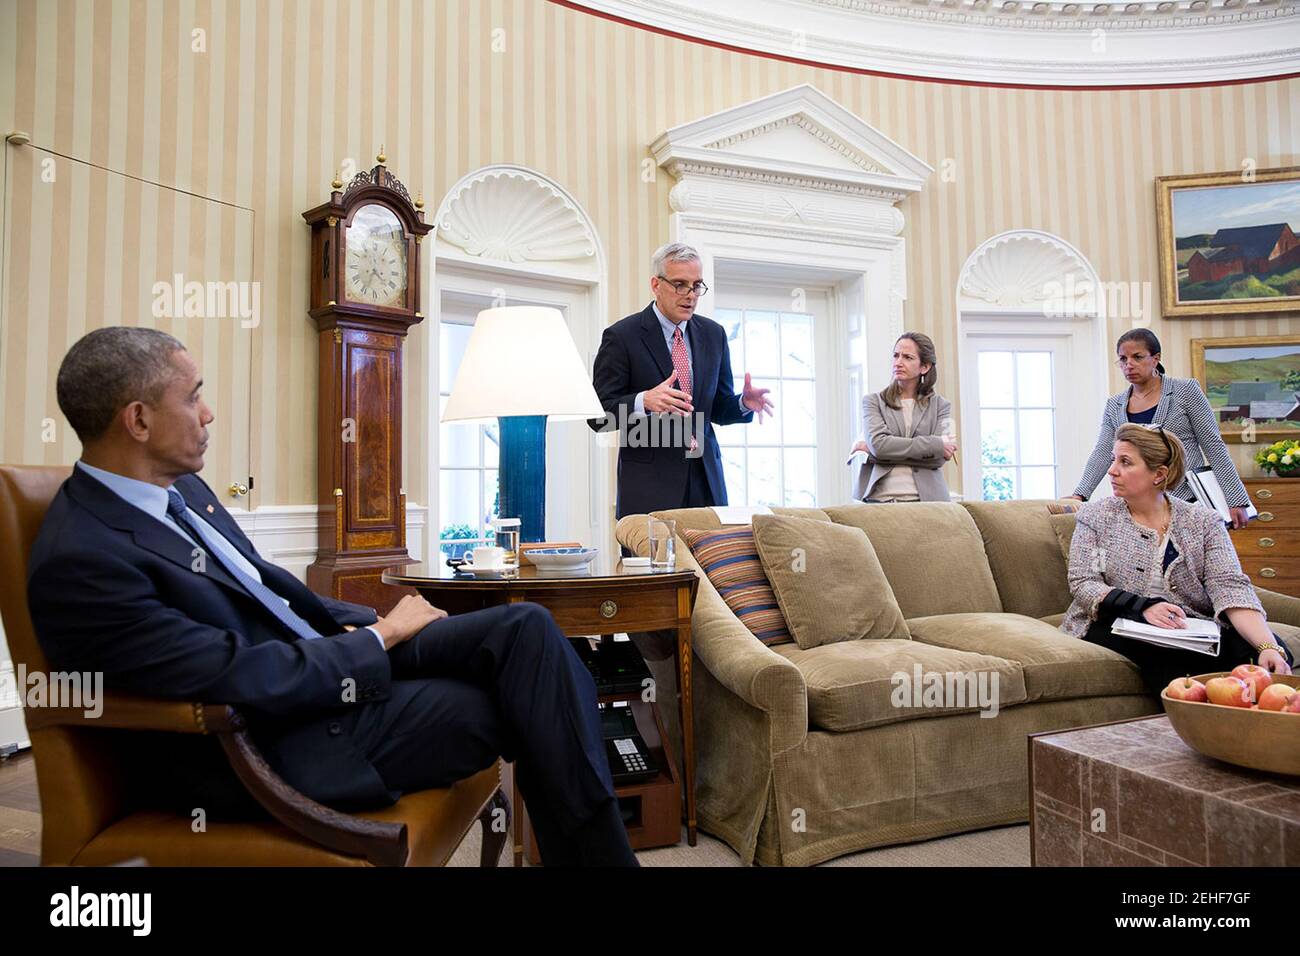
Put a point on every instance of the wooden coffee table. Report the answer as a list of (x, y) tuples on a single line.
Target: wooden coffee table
[(1131, 793)]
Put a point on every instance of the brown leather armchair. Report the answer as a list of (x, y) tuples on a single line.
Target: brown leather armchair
[(88, 816)]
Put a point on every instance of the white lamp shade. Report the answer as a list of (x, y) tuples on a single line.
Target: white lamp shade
[(521, 360)]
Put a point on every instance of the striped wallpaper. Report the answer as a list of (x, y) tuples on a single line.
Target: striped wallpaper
[(253, 114)]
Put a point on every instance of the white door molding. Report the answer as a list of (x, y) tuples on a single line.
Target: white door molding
[(798, 184)]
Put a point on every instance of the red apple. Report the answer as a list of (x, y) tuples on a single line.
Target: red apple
[(1292, 705), (1276, 697), (1184, 688), (1258, 677), (1228, 691)]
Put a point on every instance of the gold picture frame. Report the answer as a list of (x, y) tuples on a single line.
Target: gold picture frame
[(1206, 272), (1256, 364)]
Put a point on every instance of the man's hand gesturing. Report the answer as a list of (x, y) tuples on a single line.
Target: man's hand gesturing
[(664, 398), (411, 615)]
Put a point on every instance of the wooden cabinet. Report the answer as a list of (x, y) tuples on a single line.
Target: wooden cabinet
[(1269, 547)]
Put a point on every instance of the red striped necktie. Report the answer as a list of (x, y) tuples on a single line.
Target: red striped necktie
[(683, 367)]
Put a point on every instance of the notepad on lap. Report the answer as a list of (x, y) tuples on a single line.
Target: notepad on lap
[(1200, 636)]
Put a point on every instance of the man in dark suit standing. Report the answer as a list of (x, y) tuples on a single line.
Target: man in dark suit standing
[(663, 376), (138, 572)]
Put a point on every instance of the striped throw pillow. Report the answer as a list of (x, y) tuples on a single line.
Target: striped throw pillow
[(730, 559)]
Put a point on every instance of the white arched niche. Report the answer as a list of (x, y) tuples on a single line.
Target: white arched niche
[(1028, 291), (508, 235)]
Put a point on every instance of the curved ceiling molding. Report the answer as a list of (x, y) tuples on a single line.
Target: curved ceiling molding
[(1058, 43), (1027, 268), (511, 214)]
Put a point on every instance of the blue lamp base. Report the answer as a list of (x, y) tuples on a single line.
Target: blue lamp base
[(522, 475)]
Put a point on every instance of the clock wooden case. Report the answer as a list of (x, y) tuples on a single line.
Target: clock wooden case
[(365, 294)]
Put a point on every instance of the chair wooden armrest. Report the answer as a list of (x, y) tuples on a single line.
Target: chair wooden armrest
[(383, 844)]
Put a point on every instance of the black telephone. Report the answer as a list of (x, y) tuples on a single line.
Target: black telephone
[(630, 761)]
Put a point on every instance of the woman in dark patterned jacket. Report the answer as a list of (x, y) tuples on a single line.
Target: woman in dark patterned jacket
[(1151, 556), (1177, 404)]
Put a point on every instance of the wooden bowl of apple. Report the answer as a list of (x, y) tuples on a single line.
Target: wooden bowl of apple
[(1250, 717)]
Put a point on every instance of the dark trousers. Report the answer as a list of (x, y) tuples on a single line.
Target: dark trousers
[(697, 494), (502, 682), (1160, 665)]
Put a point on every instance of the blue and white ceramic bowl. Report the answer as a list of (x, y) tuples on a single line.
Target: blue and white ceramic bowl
[(562, 558)]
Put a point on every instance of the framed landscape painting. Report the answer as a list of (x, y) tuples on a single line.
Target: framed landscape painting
[(1228, 242), (1252, 379)]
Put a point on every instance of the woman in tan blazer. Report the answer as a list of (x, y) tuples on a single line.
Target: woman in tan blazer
[(908, 429)]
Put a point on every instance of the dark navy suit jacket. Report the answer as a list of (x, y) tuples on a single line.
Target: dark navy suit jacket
[(634, 358), (112, 590)]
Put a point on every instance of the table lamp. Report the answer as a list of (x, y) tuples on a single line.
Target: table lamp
[(521, 367)]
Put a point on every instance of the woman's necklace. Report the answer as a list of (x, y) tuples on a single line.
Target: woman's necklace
[(1153, 390)]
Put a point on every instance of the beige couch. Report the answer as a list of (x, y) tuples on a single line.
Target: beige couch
[(802, 756)]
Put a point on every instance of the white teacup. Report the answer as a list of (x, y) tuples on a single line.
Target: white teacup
[(486, 558)]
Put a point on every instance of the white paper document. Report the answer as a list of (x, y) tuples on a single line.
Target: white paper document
[(1206, 487), (1200, 636), (738, 514)]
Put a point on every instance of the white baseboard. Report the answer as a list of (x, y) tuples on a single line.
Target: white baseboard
[(283, 534), (287, 534)]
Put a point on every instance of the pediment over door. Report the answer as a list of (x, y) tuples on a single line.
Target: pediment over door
[(796, 158)]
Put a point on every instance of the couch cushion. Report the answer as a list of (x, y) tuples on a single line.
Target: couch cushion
[(730, 559), (632, 531), (856, 684), (828, 581), (1054, 620), (1290, 636), (932, 554), (1023, 555), (1056, 666), (1063, 527)]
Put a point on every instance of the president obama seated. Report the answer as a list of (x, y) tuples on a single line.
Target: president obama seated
[(139, 572)]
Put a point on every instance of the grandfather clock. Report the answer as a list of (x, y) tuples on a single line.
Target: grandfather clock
[(365, 294)]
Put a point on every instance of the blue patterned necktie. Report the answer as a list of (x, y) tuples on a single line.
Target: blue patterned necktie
[(261, 593)]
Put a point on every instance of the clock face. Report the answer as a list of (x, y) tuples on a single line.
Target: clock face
[(375, 266)]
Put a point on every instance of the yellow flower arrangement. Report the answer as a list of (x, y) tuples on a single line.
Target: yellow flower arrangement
[(1282, 458)]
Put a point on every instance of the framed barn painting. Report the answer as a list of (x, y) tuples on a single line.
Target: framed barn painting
[(1228, 242), (1253, 384)]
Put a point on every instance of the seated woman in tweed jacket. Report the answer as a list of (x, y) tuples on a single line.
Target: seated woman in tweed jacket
[(1151, 556), (1177, 404)]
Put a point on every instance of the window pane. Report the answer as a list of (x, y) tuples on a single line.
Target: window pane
[(798, 413), (999, 484), (452, 339), (764, 476), (729, 319), (796, 344), (491, 507), (458, 493), (997, 438), (761, 352), (767, 432), (1037, 442), (457, 444), (800, 478), (733, 470), (1037, 482), (1034, 372), (491, 445), (995, 375), (730, 434)]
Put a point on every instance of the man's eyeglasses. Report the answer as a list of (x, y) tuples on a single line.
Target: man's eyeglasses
[(684, 288)]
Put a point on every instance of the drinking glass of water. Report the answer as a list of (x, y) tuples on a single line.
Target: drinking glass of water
[(663, 537)]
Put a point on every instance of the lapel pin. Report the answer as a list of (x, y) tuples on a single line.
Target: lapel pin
[(211, 510)]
